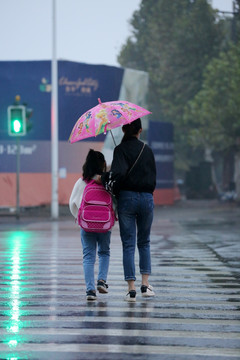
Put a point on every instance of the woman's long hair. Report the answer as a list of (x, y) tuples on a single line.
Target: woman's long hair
[(95, 164), (131, 129)]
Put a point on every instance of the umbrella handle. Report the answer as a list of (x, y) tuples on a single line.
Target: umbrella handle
[(113, 138)]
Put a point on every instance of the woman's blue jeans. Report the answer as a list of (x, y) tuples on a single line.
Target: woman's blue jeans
[(90, 243), (135, 213)]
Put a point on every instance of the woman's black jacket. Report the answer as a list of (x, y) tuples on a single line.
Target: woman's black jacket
[(142, 178)]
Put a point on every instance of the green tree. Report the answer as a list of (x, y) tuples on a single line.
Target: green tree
[(213, 116), (173, 41)]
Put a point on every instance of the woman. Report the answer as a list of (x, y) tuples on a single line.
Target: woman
[(94, 166), (132, 179)]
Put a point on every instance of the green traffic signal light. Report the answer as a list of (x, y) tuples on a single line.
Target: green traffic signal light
[(17, 126), (16, 120)]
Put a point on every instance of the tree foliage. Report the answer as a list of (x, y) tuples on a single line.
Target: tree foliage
[(214, 114), (173, 41)]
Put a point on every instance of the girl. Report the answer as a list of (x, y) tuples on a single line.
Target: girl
[(94, 165)]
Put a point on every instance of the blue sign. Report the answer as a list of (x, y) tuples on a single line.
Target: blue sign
[(160, 139), (79, 87)]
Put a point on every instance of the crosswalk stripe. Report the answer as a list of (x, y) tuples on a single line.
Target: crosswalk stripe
[(44, 313)]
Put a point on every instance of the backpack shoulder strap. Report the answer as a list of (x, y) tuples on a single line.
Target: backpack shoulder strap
[(91, 182)]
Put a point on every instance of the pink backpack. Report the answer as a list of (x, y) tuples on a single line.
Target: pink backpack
[(96, 212)]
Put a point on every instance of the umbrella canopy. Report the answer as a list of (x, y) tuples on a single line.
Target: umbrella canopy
[(105, 116)]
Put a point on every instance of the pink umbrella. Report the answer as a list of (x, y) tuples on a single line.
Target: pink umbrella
[(105, 116)]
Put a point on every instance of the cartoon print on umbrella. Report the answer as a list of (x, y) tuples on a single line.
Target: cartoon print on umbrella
[(102, 116), (105, 116), (117, 114), (82, 125), (88, 118)]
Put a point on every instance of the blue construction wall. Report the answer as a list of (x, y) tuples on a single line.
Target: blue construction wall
[(160, 138), (79, 87)]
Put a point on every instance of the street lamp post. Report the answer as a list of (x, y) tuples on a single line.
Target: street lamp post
[(54, 120), (234, 13)]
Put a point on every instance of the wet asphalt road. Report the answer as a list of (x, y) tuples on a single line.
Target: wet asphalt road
[(196, 276)]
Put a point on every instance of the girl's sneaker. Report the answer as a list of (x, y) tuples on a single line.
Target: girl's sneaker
[(102, 287), (147, 291), (91, 295), (131, 296)]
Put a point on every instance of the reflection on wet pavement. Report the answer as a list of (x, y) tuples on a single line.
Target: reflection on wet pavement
[(44, 314)]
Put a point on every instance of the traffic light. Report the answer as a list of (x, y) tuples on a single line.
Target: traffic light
[(29, 113), (16, 120)]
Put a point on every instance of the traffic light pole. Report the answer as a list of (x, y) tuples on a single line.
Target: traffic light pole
[(17, 128), (17, 179)]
